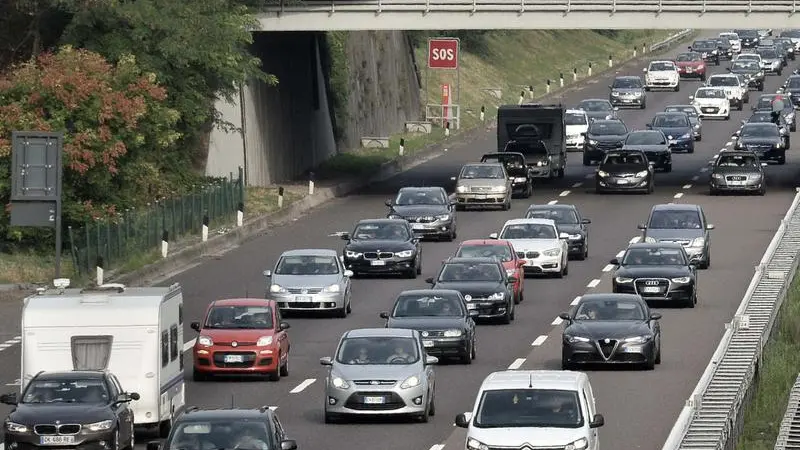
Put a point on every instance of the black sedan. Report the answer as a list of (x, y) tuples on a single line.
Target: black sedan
[(380, 246), (82, 409), (654, 144), (763, 139), (738, 171), (602, 136), (611, 329), (429, 210), (657, 272), (483, 283), (694, 118), (598, 109), (568, 220), (625, 171), (517, 169), (442, 317), (751, 71), (708, 50)]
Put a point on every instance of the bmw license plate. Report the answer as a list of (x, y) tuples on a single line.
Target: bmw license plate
[(417, 226), (427, 344), (374, 400), (622, 181), (302, 298), (378, 263), (234, 358), (651, 290), (57, 440)]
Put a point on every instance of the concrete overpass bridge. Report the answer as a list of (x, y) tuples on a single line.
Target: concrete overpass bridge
[(330, 15)]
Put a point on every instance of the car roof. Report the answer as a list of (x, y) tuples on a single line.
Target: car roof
[(668, 113), (631, 149), (680, 106), (71, 375), (492, 242), (654, 245), (482, 164), (310, 252), (676, 207), (474, 260), (431, 292), (243, 302), (422, 188), (201, 415), (576, 111), (662, 61), (644, 132), (710, 88), (379, 332), (723, 75), (604, 100), (759, 124), (627, 77), (556, 206), (607, 121), (532, 220), (499, 154), (605, 296), (539, 379), (379, 221)]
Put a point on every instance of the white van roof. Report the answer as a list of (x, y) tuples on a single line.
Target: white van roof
[(539, 379)]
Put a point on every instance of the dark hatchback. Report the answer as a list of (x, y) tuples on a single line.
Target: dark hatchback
[(725, 48), (625, 171), (601, 137), (763, 139), (429, 210), (694, 118), (737, 171), (516, 168), (598, 109), (778, 102), (750, 38), (380, 246), (678, 129), (752, 72), (85, 410), (442, 317), (654, 144), (628, 91), (792, 88), (568, 220), (657, 272), (615, 329), (708, 50), (483, 283)]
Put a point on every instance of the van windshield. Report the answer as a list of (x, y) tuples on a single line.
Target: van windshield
[(545, 408)]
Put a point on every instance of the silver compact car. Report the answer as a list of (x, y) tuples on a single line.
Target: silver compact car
[(380, 371), (483, 184), (310, 280)]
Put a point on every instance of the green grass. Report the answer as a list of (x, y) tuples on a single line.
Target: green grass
[(18, 268), (778, 371), (264, 200)]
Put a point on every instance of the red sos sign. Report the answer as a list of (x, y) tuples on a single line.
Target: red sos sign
[(443, 53)]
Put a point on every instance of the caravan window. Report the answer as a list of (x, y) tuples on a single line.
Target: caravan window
[(67, 391), (173, 342), (240, 318), (91, 352), (180, 313), (519, 131), (164, 348)]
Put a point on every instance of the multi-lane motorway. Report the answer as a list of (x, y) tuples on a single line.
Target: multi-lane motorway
[(639, 407)]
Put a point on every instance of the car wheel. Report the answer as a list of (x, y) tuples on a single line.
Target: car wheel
[(761, 87), (419, 267), (782, 160), (565, 365), (517, 299), (349, 304), (116, 445), (341, 313), (678, 87), (739, 105), (432, 408), (285, 366), (459, 207), (506, 319), (713, 192), (658, 355), (643, 105), (698, 138), (762, 191), (793, 127), (747, 98), (473, 349), (560, 173), (650, 364), (466, 358), (587, 160), (703, 77), (276, 374), (691, 302), (529, 189)]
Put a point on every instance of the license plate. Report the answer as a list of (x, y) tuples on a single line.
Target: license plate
[(427, 344), (651, 290), (302, 298), (673, 142), (689, 70), (623, 181), (632, 350), (736, 183), (374, 400), (57, 440), (234, 358), (417, 226), (481, 196), (378, 263)]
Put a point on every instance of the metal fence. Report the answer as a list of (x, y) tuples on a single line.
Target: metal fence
[(789, 433), (138, 232), (713, 415)]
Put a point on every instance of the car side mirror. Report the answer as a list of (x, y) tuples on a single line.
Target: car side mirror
[(734, 138), (597, 421), (565, 316), (345, 236), (642, 226), (267, 273), (384, 315), (348, 273), (586, 221), (753, 108), (691, 97), (452, 178), (453, 203), (693, 266), (461, 421), (710, 226), (764, 164), (610, 87), (326, 361), (8, 399), (520, 263), (284, 326), (783, 130), (493, 236), (431, 360), (651, 163), (583, 134), (513, 279), (563, 235), (134, 396), (388, 203), (154, 445), (474, 313), (429, 280), (288, 444), (195, 326), (644, 70), (728, 69), (648, 126), (614, 261), (689, 47), (616, 108), (655, 316)]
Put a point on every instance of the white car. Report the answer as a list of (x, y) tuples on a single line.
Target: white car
[(733, 38), (538, 243), (737, 94), (577, 123), (711, 102), (662, 75)]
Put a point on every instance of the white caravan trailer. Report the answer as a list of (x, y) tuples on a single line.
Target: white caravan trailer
[(134, 332)]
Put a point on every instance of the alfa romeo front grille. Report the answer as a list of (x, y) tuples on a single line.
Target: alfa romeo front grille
[(607, 347)]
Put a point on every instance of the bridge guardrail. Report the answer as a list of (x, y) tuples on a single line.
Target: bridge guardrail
[(789, 433), (712, 416), (668, 41)]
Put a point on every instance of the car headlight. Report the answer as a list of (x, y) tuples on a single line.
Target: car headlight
[(334, 288), (641, 174), (790, 117), (16, 427), (205, 341), (276, 288), (698, 242), (497, 296), (520, 180), (461, 189), (404, 254), (410, 382), (592, 142), (623, 280), (716, 176), (351, 254), (100, 426), (474, 444), (574, 339), (697, 126), (686, 136), (264, 341), (682, 280), (453, 333), (714, 52), (339, 383), (602, 173), (511, 272), (638, 339), (575, 237), (498, 188), (552, 252), (615, 94), (443, 217), (580, 444), (760, 74), (650, 240), (394, 216)]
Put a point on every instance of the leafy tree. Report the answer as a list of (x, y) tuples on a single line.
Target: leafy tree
[(117, 129)]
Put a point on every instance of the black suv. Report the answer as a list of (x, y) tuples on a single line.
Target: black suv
[(517, 169), (198, 429), (83, 409), (708, 50), (625, 171)]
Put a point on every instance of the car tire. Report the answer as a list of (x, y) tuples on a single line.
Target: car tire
[(691, 302), (739, 105), (779, 72), (349, 304), (782, 160), (716, 62), (650, 364), (506, 319), (560, 173), (116, 445), (763, 190), (276, 374), (466, 358), (793, 128), (643, 106), (419, 267), (432, 408), (284, 370), (132, 440), (698, 138), (678, 87), (565, 365), (761, 87), (713, 192), (658, 355), (341, 313), (668, 168), (587, 160), (647, 88), (703, 77)]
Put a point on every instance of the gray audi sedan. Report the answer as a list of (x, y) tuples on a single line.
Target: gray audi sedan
[(738, 171)]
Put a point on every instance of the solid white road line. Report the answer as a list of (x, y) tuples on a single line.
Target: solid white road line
[(516, 364), (687, 186), (300, 387), (635, 239), (552, 202), (539, 340), (608, 268), (593, 283), (621, 254), (186, 347), (575, 301), (678, 195), (578, 184), (2, 446), (558, 321), (564, 194), (696, 177), (433, 447)]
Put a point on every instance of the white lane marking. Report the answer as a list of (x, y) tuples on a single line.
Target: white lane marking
[(711, 161), (578, 184), (558, 321), (16, 382), (678, 195), (575, 301), (589, 176), (728, 144), (704, 169), (635, 239), (608, 268), (300, 387), (5, 346), (621, 254), (186, 347), (516, 364), (433, 447), (593, 283), (696, 177), (564, 194), (687, 186), (552, 202), (539, 340), (10, 343)]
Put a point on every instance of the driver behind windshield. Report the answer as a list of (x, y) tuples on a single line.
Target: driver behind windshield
[(419, 198), (400, 355), (251, 437)]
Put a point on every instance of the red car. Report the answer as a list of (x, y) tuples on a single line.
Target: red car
[(691, 65), (241, 336), (488, 248)]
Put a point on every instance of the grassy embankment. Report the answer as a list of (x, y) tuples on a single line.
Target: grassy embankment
[(504, 60)]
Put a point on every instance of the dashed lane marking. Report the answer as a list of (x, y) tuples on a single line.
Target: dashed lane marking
[(608, 268), (300, 387), (696, 177), (621, 254), (186, 347), (16, 382), (575, 301), (593, 283), (516, 364), (558, 321), (687, 186), (635, 239), (578, 184), (552, 202), (564, 194), (539, 340), (433, 447), (728, 144), (678, 195)]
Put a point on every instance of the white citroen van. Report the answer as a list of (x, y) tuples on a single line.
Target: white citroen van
[(533, 408)]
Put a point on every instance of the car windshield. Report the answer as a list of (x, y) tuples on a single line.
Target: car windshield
[(704, 45), (66, 391), (645, 138), (231, 317), (729, 36), (377, 350), (595, 105), (614, 309), (503, 252), (470, 272), (561, 216), (653, 257), (710, 93), (768, 53), (381, 232), (773, 103), (575, 119), (746, 33), (687, 57), (748, 57), (742, 161), (628, 159), (526, 408), (722, 42), (307, 265), (746, 64), (760, 131), (674, 220), (607, 128), (723, 81), (427, 306), (794, 83), (507, 159), (627, 83), (408, 197), (529, 231), (661, 66), (760, 118), (689, 110), (671, 121), (482, 172), (238, 434)]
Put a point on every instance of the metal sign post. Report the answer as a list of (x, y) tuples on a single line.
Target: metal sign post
[(444, 53), (36, 173)]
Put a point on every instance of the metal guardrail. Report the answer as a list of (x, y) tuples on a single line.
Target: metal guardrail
[(789, 433), (563, 6), (670, 40), (712, 417)]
